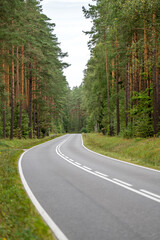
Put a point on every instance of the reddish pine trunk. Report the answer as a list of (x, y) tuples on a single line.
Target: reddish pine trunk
[(26, 91), (17, 75), (157, 77), (146, 80), (127, 91), (30, 101), (7, 80), (154, 78), (2, 96), (12, 96)]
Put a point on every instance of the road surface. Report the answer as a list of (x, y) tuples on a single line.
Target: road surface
[(92, 197)]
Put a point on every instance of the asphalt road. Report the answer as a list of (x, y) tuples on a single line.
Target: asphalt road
[(92, 197)]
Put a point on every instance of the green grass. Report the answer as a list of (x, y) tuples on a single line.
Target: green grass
[(145, 152), (18, 218)]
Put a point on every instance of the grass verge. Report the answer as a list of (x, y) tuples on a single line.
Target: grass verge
[(145, 152), (19, 219)]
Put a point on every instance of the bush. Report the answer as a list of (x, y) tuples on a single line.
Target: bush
[(83, 130), (127, 132), (144, 127)]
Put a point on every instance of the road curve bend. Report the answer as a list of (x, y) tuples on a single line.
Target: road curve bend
[(87, 196)]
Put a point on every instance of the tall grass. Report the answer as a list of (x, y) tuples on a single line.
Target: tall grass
[(145, 152)]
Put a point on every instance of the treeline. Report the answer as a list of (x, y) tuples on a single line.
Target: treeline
[(121, 83), (32, 84), (75, 117)]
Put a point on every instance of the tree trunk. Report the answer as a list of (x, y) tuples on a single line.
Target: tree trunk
[(21, 88), (38, 128), (7, 79), (34, 120), (30, 100), (108, 90), (146, 79), (127, 91), (17, 75), (117, 90), (3, 93), (12, 96), (154, 78), (26, 91), (113, 74), (157, 77)]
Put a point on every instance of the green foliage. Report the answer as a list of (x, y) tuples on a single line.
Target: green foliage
[(83, 130), (141, 111), (143, 127), (25, 128), (127, 132), (74, 114), (23, 24), (90, 124), (18, 217), (127, 58)]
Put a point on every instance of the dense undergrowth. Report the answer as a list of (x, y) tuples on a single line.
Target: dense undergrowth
[(18, 218), (145, 152)]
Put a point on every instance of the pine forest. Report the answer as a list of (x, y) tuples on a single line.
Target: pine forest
[(32, 84), (121, 83), (120, 92)]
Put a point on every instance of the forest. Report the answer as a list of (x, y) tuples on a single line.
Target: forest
[(121, 83), (120, 93), (32, 85)]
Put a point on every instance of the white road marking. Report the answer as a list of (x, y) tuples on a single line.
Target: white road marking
[(118, 160), (55, 229), (84, 168), (87, 168), (150, 193), (78, 163), (129, 185), (105, 175)]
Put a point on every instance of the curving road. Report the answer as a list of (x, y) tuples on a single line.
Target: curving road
[(89, 196)]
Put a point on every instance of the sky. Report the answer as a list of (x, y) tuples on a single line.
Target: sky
[(70, 22)]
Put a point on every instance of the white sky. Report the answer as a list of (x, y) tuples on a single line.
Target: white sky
[(70, 22)]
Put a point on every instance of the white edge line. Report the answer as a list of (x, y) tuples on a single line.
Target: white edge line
[(55, 229), (88, 168), (118, 160), (153, 194), (128, 184), (109, 180)]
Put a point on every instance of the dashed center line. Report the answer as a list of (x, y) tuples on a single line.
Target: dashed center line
[(127, 184), (90, 169), (102, 174), (116, 181), (78, 163)]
